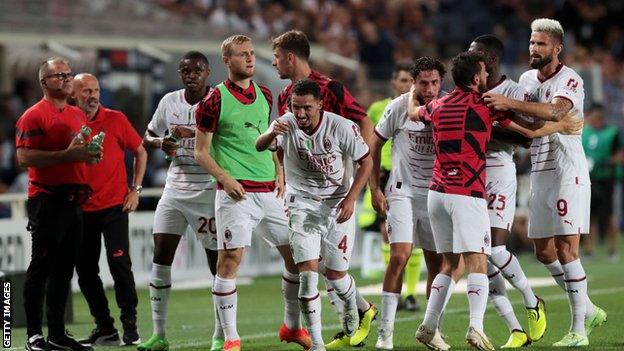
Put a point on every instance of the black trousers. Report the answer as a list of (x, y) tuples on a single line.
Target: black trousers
[(113, 223), (55, 225)]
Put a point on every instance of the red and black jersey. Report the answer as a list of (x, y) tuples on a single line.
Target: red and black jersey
[(336, 98), (209, 109), (462, 126)]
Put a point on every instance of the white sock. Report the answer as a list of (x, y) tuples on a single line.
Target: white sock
[(498, 297), (160, 287), (226, 299), (310, 302), (335, 301), (576, 286), (437, 299), (345, 288), (557, 273), (477, 298), (218, 331), (362, 304), (389, 303), (451, 289), (290, 291), (510, 267)]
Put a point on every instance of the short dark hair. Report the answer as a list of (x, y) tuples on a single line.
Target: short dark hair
[(403, 65), (492, 44), (465, 66), (294, 41), (307, 87), (195, 55), (427, 63)]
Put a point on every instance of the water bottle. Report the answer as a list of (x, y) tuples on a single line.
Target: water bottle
[(97, 143), (174, 139), (84, 133)]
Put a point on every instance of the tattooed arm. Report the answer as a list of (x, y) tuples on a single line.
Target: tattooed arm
[(552, 111)]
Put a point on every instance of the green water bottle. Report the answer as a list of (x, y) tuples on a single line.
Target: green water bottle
[(174, 139), (84, 133), (97, 143)]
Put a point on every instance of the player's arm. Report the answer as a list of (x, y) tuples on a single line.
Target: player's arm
[(75, 152), (267, 140), (152, 141), (280, 184), (548, 111), (131, 201), (568, 125), (203, 140), (378, 198), (347, 206)]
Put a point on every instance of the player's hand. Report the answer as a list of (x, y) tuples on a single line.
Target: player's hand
[(280, 186), (131, 201), (234, 189), (278, 127), (168, 146), (345, 209), (378, 199), (571, 125), (413, 106), (497, 101), (77, 151), (183, 132)]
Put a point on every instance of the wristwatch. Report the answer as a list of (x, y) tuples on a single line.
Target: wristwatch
[(137, 188)]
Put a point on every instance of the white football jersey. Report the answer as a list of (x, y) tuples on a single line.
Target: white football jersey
[(499, 154), (314, 165), (186, 180), (557, 158), (413, 152)]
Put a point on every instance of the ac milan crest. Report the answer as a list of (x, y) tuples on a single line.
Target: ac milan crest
[(327, 144), (486, 239), (228, 235)]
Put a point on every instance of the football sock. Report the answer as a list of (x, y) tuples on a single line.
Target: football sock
[(290, 291), (159, 288), (511, 270), (226, 299), (498, 297), (557, 273), (477, 298), (435, 305), (389, 302), (310, 302), (576, 286)]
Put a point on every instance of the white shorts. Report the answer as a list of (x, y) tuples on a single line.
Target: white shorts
[(459, 223), (315, 234), (501, 200), (559, 210), (262, 213), (173, 216), (408, 222)]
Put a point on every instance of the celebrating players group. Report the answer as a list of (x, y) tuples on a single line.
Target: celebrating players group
[(451, 189)]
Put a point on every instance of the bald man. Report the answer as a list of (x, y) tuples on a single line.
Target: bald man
[(106, 213)]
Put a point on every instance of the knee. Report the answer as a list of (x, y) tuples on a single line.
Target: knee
[(331, 274), (566, 254), (308, 284), (545, 255), (500, 256), (398, 260)]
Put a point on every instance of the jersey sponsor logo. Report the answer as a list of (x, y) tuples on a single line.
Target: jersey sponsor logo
[(320, 163)]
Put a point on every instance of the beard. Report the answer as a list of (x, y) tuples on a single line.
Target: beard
[(540, 63)]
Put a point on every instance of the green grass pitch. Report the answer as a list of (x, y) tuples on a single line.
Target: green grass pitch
[(190, 322)]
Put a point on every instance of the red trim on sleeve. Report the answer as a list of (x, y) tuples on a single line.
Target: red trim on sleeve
[(363, 157), (380, 136)]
